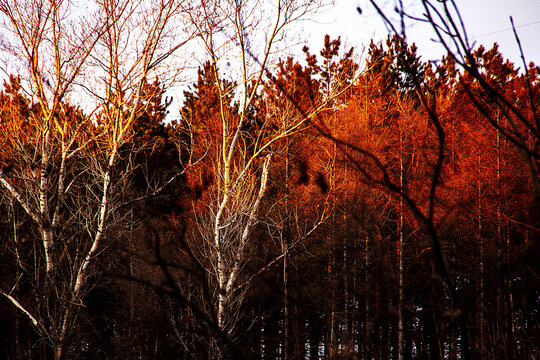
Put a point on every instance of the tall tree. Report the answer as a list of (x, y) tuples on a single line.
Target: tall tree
[(67, 178)]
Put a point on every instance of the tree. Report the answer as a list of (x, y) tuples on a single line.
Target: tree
[(518, 119), (485, 80), (400, 76), (242, 137), (67, 180)]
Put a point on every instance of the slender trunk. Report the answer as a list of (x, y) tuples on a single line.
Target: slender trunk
[(285, 306), (401, 286), (354, 321), (376, 332), (333, 278), (346, 335), (400, 256), (48, 241), (480, 238), (368, 325), (285, 249), (502, 310), (512, 334), (510, 308), (331, 323), (45, 221), (220, 267)]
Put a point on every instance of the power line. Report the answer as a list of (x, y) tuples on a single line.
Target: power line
[(487, 34), (508, 29)]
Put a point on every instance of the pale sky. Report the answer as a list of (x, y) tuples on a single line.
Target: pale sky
[(487, 21)]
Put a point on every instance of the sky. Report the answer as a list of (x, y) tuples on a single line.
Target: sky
[(487, 21)]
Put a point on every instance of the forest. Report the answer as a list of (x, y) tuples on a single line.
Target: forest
[(323, 205)]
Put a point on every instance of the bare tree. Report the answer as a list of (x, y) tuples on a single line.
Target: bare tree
[(65, 171), (243, 38)]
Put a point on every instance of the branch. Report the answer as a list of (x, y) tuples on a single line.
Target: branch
[(526, 69), (157, 191), (279, 257), (26, 206), (20, 307)]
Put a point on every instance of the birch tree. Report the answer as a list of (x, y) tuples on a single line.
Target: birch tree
[(71, 56), (242, 41)]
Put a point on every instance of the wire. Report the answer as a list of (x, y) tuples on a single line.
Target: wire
[(484, 35), (508, 29)]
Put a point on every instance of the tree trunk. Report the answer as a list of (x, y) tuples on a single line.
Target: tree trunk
[(480, 238), (368, 323), (400, 257)]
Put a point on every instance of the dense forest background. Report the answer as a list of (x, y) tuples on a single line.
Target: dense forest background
[(323, 206)]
